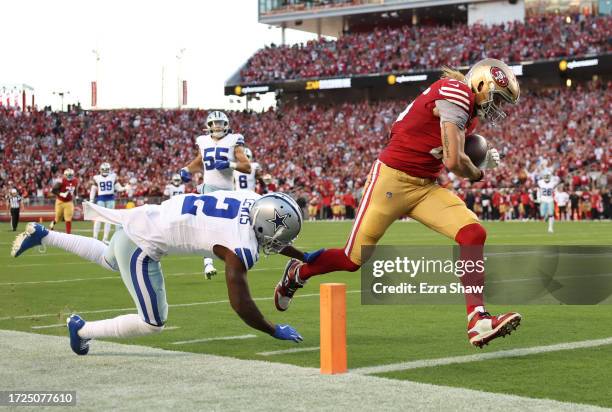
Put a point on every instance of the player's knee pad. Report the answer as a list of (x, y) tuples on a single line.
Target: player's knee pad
[(471, 235)]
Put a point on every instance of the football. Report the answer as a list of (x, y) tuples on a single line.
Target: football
[(476, 148)]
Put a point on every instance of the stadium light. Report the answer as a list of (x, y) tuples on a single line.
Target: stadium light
[(61, 94), (179, 58)]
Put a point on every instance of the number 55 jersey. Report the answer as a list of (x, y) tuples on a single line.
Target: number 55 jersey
[(213, 151), (188, 224)]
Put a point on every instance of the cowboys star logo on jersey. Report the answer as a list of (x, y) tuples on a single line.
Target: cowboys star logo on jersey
[(279, 221)]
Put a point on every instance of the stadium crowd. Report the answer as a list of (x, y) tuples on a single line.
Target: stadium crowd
[(321, 154), (408, 48)]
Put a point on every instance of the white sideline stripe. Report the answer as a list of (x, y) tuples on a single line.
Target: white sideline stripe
[(176, 305), (85, 262), (512, 353), (63, 325), (117, 277), (284, 351), (56, 325), (252, 385), (203, 340)]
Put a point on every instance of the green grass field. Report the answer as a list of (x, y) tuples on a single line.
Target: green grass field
[(40, 289)]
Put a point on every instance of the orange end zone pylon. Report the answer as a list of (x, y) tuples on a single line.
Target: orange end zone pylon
[(333, 328)]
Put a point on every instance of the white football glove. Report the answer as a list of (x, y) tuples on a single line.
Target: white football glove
[(491, 160)]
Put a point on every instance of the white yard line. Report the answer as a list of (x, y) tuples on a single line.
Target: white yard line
[(140, 374), (177, 305), (288, 351), (214, 339), (56, 325), (63, 325), (512, 353)]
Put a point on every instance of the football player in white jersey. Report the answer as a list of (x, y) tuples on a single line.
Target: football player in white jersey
[(220, 153), (231, 225), (103, 193), (546, 191), (248, 181), (176, 187)]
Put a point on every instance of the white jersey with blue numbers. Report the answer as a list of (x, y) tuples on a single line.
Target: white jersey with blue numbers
[(188, 224), (172, 190), (105, 186), (246, 181), (547, 189), (216, 150)]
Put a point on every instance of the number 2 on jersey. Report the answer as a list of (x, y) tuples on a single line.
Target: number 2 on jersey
[(209, 206)]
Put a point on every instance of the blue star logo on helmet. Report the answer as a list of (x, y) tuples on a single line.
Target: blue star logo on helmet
[(278, 220)]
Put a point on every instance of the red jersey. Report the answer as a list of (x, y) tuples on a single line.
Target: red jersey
[(415, 146), (67, 185)]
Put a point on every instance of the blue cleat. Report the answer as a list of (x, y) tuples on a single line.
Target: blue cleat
[(79, 345), (31, 237)]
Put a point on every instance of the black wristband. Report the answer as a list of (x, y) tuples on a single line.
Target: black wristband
[(480, 178)]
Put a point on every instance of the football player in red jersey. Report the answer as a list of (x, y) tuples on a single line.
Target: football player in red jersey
[(64, 192), (426, 137)]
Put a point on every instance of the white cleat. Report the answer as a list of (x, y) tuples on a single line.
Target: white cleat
[(209, 271)]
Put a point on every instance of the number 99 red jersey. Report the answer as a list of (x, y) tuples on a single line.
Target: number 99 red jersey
[(415, 146)]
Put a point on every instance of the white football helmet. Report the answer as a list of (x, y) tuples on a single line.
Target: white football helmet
[(248, 153), (217, 124), (68, 173), (105, 169), (176, 179), (277, 220)]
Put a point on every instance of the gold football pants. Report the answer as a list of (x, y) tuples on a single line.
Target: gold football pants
[(390, 194), (63, 210)]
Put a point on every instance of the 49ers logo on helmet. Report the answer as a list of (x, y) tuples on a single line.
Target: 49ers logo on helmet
[(499, 76)]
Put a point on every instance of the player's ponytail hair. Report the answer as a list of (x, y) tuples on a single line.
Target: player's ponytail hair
[(450, 73)]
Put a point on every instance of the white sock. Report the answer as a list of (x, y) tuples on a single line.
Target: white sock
[(86, 247), (124, 326), (208, 261), (96, 229), (476, 310), (107, 228), (551, 221)]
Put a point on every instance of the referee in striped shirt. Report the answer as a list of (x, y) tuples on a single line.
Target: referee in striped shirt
[(14, 203)]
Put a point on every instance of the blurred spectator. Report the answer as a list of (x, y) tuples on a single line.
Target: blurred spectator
[(408, 48)]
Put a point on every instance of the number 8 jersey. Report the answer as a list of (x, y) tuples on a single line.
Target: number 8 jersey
[(215, 150), (188, 224)]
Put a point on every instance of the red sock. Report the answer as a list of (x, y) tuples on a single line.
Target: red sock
[(329, 261), (471, 239), (68, 227)]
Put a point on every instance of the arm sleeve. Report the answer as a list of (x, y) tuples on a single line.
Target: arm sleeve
[(92, 193), (450, 112)]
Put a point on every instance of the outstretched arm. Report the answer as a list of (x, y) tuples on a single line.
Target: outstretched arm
[(238, 291), (307, 257), (195, 165)]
